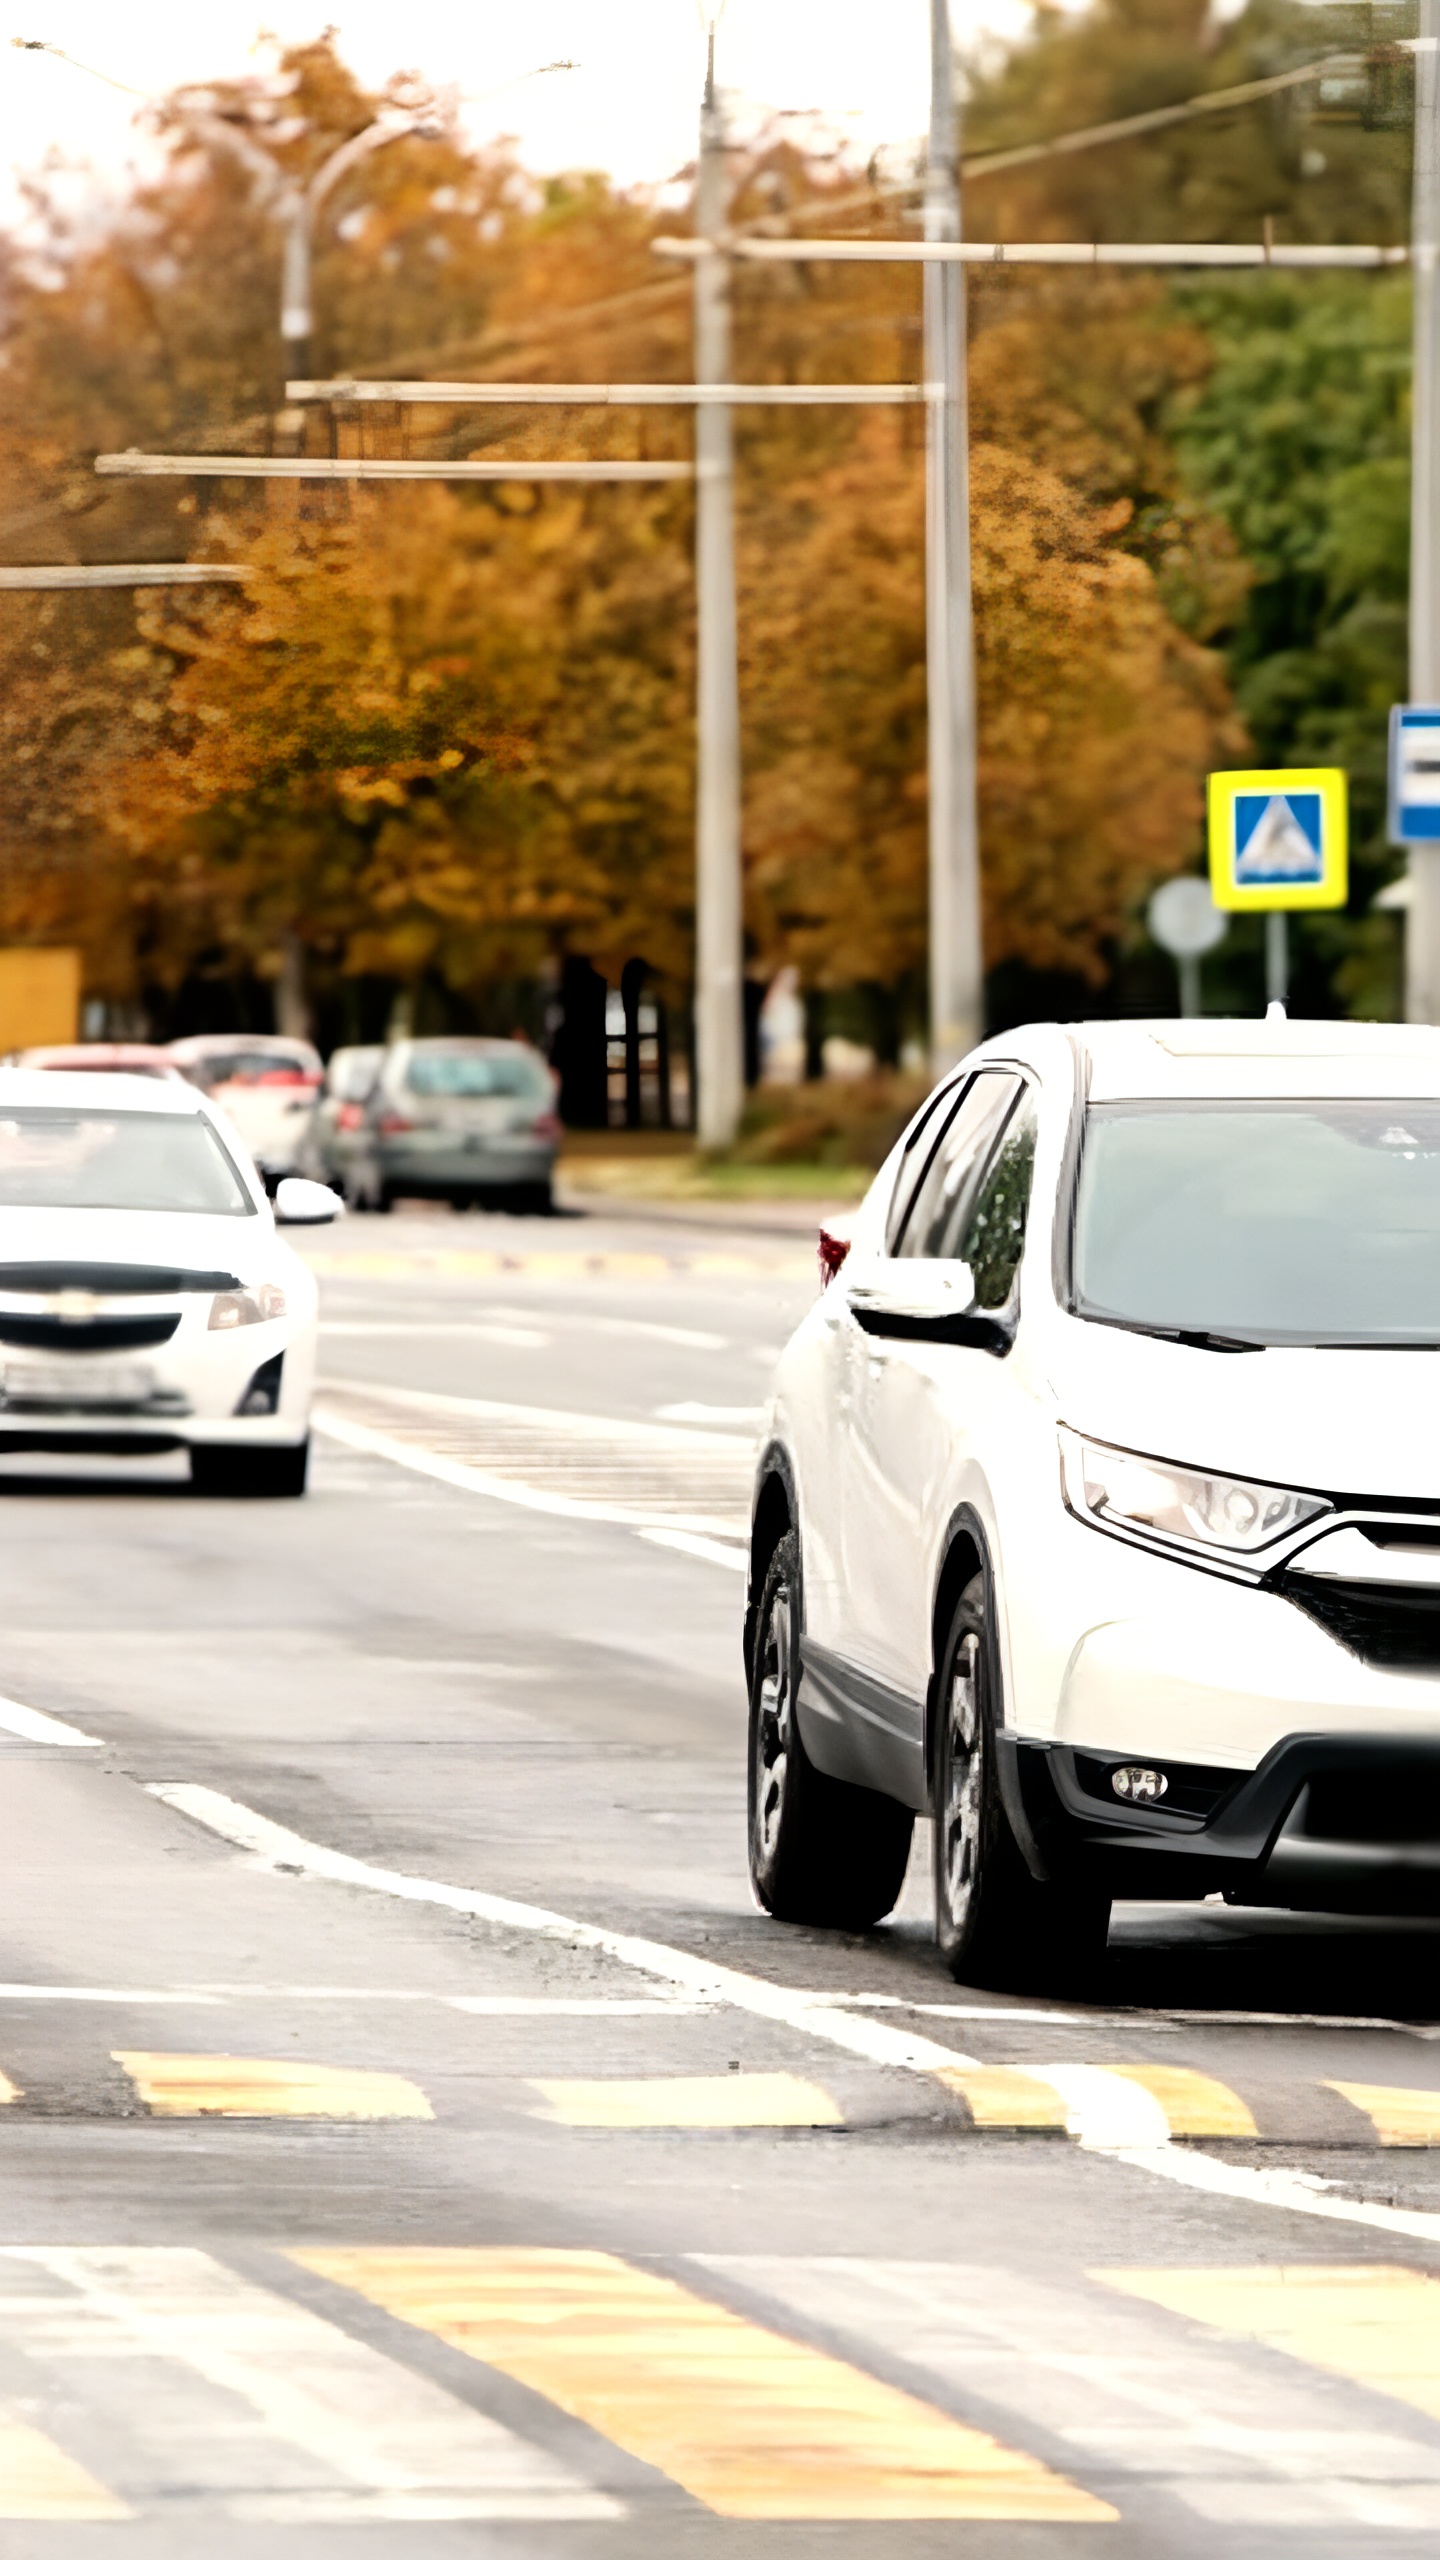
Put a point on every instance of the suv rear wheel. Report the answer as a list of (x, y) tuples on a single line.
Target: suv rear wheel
[(820, 1851), (993, 1922)]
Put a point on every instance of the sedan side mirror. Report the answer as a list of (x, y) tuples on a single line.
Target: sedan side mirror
[(306, 1204)]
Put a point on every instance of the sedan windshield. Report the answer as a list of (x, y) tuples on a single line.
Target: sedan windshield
[(1273, 1222), (117, 1160)]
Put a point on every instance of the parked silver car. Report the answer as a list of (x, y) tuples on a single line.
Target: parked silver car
[(458, 1120)]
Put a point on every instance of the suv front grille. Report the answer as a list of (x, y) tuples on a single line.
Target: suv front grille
[(1393, 1628)]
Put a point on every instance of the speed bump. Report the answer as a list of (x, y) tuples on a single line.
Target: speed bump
[(227, 2084)]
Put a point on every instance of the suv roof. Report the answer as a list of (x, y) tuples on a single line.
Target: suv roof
[(1234, 1059)]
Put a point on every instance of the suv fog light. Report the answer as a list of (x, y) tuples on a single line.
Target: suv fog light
[(1139, 1786)]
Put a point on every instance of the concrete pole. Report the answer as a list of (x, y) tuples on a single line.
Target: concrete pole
[(1422, 934), (719, 958), (957, 992)]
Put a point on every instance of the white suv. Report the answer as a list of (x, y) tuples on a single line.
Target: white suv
[(1098, 1509)]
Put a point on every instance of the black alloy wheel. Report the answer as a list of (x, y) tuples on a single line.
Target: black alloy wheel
[(994, 1921)]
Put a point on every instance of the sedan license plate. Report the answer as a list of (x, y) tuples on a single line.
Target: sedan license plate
[(79, 1382)]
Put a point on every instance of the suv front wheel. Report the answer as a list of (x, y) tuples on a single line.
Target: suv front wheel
[(820, 1850), (993, 1922)]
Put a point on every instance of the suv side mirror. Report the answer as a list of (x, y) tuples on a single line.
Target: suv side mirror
[(299, 1203)]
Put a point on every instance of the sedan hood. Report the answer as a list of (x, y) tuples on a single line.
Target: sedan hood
[(1350, 1422), (161, 1239)]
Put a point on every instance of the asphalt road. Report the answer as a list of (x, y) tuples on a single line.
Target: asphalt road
[(415, 2139)]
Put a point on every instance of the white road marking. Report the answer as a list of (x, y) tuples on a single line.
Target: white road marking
[(33, 1726), (709, 1550), (859, 2034), (855, 2032), (515, 1337), (274, 2411), (539, 1457), (1233, 2434), (1103, 2110), (739, 1416)]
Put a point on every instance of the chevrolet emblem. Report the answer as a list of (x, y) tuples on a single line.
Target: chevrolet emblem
[(74, 1306)]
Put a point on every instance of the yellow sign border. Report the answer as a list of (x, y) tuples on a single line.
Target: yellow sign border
[(1223, 789)]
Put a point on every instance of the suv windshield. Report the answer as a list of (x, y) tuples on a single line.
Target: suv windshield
[(116, 1160), (1275, 1222), (470, 1075)]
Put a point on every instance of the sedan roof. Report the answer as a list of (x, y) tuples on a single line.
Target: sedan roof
[(1235, 1060), (53, 1088)]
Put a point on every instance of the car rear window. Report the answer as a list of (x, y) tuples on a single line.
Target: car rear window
[(471, 1075), (117, 1160)]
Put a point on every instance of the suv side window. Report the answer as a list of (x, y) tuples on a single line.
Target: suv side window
[(942, 1206), (994, 1236), (922, 1139)]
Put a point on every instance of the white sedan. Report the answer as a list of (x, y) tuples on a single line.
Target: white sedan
[(1098, 1511), (146, 1300)]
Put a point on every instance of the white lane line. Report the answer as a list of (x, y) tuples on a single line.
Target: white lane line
[(585, 1322), (855, 2031), (745, 1417), (467, 1479), (515, 1336), (124, 1999), (1288, 2190), (33, 1726), (365, 2436), (709, 1550), (1103, 2110), (859, 2034)]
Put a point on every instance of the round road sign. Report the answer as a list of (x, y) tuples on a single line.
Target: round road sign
[(1184, 918)]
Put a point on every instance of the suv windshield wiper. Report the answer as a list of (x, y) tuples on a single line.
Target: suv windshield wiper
[(1194, 1338)]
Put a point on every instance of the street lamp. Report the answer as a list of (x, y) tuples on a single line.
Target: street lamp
[(296, 206)]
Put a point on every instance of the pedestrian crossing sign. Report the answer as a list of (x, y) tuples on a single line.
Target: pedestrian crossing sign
[(1278, 839)]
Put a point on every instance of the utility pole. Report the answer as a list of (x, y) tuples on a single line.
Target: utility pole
[(719, 922), (956, 958), (1422, 933)]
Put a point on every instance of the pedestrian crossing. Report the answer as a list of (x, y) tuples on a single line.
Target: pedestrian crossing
[(580, 1466), (332, 2384)]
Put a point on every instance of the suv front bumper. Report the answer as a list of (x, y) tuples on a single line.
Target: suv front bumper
[(1327, 1822)]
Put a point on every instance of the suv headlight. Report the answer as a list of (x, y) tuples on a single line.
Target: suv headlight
[(1178, 1505), (258, 1304)]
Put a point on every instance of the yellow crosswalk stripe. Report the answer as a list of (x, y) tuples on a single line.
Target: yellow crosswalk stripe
[(39, 2484), (8, 2091), (227, 2084), (1003, 2094), (748, 2422), (727, 2098), (1192, 2102), (1405, 2118), (1375, 2325)]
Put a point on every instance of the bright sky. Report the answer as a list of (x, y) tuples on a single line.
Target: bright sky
[(630, 107)]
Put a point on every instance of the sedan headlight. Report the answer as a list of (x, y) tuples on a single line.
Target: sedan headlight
[(258, 1304), (1149, 1499)]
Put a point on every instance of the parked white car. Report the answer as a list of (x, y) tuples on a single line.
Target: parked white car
[(1098, 1511), (146, 1299), (264, 1083)]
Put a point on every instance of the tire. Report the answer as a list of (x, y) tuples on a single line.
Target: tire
[(994, 1923), (251, 1474), (530, 1200), (820, 1851)]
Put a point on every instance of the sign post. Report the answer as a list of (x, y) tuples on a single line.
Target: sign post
[(1279, 840), (1185, 921)]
